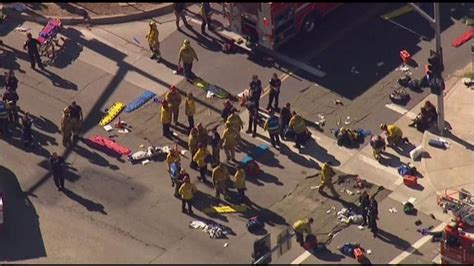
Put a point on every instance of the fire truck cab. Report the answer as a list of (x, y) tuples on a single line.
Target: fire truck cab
[(457, 245), (272, 24)]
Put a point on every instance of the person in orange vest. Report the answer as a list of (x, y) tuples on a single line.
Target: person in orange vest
[(300, 227), (186, 191)]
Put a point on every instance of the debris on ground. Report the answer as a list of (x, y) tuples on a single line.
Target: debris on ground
[(108, 128), (425, 231), (314, 187), (145, 162), (146, 155), (392, 210), (214, 230), (123, 131), (360, 227), (226, 245), (418, 222), (21, 29), (349, 217), (369, 251), (432, 216), (381, 63), (338, 102)]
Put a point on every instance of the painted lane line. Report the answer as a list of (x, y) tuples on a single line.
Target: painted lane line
[(392, 171), (301, 258), (401, 110), (415, 246)]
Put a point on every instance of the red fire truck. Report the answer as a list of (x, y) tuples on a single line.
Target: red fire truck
[(457, 245), (272, 24)]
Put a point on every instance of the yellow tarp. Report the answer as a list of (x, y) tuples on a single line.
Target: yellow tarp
[(397, 12), (226, 209), (113, 112)]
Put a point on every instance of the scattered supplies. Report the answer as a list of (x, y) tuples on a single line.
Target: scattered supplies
[(314, 187), (322, 120), (145, 162), (360, 227), (123, 131), (210, 94), (141, 146), (418, 222), (338, 102), (409, 208), (183, 152), (417, 152), (349, 217), (146, 155), (175, 134), (214, 230), (369, 251), (226, 245), (108, 128), (411, 200), (21, 29), (392, 210), (425, 231)]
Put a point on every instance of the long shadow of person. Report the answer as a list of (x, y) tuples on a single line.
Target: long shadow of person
[(57, 81), (44, 124), (21, 238), (88, 204)]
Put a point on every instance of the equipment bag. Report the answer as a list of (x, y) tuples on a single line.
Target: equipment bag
[(405, 170), (408, 208), (400, 96), (254, 224)]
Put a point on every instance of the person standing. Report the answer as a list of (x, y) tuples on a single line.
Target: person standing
[(203, 136), (253, 114), (235, 121), (173, 97), (275, 84), (173, 157), (298, 125), (190, 109), (4, 119), (229, 141), (364, 202), (11, 98), (31, 45), (239, 182), (193, 145), (179, 8), (186, 191), (11, 82), (187, 55), (26, 123), (300, 227), (66, 127), (165, 118), (326, 178), (57, 167), (206, 17), (215, 146), (373, 216), (273, 126), (201, 161), (154, 41), (220, 178), (285, 116), (255, 91), (227, 110), (76, 119)]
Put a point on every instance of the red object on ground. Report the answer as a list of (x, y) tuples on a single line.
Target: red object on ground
[(359, 255), (310, 245), (405, 55), (466, 36), (252, 169), (109, 144), (410, 180)]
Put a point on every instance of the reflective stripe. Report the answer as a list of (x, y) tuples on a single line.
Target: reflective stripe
[(273, 123), (303, 7)]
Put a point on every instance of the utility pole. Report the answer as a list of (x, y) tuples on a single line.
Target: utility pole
[(436, 23)]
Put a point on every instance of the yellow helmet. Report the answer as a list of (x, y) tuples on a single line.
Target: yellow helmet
[(152, 23), (382, 126), (186, 42)]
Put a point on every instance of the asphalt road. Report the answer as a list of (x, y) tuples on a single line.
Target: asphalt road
[(115, 212)]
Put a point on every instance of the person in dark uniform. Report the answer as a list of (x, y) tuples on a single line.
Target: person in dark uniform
[(215, 146), (206, 17), (4, 119), (11, 82), (364, 207), (11, 98), (179, 8), (285, 116), (373, 215), (75, 113), (26, 123), (57, 167), (31, 45), (275, 84), (253, 114), (255, 91)]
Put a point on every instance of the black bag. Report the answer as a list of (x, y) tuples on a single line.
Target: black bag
[(414, 85), (254, 224), (400, 96), (404, 81)]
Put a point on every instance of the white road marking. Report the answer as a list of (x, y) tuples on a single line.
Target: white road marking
[(415, 246), (390, 170), (300, 65), (301, 258), (401, 110)]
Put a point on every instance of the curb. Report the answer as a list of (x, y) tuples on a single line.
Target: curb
[(114, 19)]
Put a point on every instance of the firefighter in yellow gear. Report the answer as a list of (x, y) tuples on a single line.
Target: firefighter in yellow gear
[(173, 157), (66, 127), (239, 182), (230, 138), (154, 41), (235, 121), (326, 178), (220, 179), (187, 55), (174, 100), (165, 118), (200, 159), (298, 125), (190, 109), (300, 227), (193, 141), (394, 134), (187, 191)]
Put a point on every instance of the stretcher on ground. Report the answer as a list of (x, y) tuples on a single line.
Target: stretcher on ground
[(103, 142), (138, 102), (112, 113), (207, 87)]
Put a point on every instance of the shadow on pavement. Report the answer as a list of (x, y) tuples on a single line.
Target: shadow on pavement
[(9, 25), (68, 52), (87, 203), (395, 241), (203, 201), (39, 141), (57, 81), (93, 157), (21, 238), (44, 124), (269, 217), (324, 254), (9, 58)]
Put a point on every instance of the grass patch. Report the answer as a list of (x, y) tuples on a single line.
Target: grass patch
[(469, 74)]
